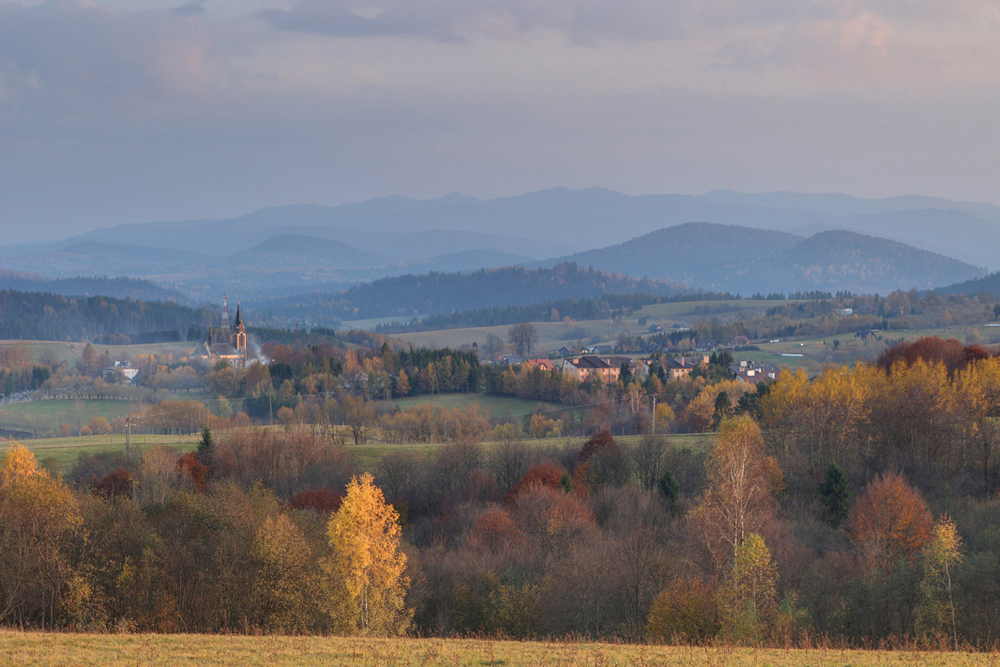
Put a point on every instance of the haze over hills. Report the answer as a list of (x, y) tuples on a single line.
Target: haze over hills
[(749, 242), (560, 221), (411, 296), (745, 260)]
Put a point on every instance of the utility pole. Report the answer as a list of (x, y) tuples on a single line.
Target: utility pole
[(654, 415), (270, 409), (129, 421)]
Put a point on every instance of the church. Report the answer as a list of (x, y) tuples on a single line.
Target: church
[(224, 344)]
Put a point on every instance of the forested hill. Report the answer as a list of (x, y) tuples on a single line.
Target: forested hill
[(47, 316), (989, 284), (117, 287), (436, 293)]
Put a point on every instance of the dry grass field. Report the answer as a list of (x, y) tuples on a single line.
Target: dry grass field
[(85, 650)]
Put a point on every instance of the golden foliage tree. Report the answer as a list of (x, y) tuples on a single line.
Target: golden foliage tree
[(739, 498), (685, 611), (941, 556), (367, 567), (40, 522), (748, 600)]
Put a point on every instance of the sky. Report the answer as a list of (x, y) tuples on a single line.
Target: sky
[(117, 111)]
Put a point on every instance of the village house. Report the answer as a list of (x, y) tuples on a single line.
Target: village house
[(754, 372), (678, 367), (121, 372), (608, 369), (544, 364)]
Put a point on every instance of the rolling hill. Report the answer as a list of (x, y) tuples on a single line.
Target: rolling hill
[(433, 293), (561, 221), (744, 260)]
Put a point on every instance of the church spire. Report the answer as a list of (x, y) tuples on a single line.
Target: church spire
[(239, 318)]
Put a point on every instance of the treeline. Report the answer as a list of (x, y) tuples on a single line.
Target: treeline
[(439, 293), (46, 316), (118, 287), (596, 308)]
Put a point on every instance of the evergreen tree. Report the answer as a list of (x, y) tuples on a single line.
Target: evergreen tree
[(668, 486), (205, 446), (835, 494)]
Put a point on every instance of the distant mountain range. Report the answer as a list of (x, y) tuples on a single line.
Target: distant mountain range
[(744, 260), (755, 242)]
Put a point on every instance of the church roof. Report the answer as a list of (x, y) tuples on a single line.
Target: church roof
[(225, 350)]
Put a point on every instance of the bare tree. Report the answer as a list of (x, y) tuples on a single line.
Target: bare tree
[(493, 346), (647, 461), (523, 336), (508, 462)]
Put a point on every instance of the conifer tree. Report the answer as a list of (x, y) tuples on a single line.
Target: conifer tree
[(835, 494), (206, 445)]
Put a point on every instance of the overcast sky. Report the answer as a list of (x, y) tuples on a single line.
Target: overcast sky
[(134, 110)]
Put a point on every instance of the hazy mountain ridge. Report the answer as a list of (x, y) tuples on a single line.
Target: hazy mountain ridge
[(410, 296), (302, 248), (745, 260), (86, 286), (570, 221)]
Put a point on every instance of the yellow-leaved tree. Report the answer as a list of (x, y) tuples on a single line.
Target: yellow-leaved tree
[(748, 600), (941, 557), (368, 585), (40, 526)]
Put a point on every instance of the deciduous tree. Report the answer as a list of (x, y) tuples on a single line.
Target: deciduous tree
[(367, 566)]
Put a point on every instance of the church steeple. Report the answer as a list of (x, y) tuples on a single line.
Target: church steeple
[(239, 334)]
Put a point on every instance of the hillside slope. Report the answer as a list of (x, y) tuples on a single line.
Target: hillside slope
[(744, 260)]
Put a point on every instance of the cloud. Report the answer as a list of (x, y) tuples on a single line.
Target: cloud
[(70, 51)]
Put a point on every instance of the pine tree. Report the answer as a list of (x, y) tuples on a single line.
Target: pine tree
[(206, 445), (668, 486), (835, 494)]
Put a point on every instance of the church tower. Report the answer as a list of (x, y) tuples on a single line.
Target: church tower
[(239, 334)]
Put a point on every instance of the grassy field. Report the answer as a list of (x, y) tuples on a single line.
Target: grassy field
[(71, 352), (58, 650), (48, 415), (367, 456), (63, 452), (497, 407)]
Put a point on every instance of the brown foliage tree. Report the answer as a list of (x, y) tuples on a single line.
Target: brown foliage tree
[(890, 521), (598, 442), (543, 474), (930, 349), (116, 484), (195, 470), (320, 501)]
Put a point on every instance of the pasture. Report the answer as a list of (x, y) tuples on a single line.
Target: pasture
[(497, 408), (29, 649)]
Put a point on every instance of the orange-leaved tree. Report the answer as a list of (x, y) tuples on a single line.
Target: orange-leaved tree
[(889, 522), (368, 584)]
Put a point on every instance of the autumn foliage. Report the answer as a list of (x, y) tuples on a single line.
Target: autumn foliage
[(322, 501), (889, 522), (543, 474), (932, 349)]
